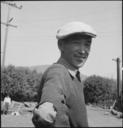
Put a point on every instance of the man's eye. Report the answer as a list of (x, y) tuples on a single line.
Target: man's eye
[(75, 43), (87, 44)]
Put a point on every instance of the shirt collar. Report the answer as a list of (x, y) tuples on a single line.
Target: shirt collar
[(73, 73)]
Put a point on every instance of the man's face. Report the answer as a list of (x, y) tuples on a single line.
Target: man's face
[(76, 51)]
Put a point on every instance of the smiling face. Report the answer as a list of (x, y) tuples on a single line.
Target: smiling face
[(75, 50)]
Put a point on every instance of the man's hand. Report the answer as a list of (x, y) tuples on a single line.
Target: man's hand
[(44, 116)]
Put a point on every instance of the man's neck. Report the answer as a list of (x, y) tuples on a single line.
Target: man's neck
[(71, 69), (66, 64)]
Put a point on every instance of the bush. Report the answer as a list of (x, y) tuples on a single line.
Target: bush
[(99, 90)]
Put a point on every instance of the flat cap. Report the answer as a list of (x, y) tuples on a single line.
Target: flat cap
[(74, 28)]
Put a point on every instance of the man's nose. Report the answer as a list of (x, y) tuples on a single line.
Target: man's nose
[(83, 53)]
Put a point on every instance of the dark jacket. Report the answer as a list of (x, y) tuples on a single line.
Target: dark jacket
[(66, 94)]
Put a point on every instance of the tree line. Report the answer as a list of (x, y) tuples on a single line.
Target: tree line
[(22, 84)]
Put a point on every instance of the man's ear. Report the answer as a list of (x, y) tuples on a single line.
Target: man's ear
[(61, 45)]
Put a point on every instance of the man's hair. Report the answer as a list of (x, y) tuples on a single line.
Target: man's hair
[(74, 36)]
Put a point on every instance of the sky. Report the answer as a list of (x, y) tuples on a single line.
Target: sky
[(34, 41)]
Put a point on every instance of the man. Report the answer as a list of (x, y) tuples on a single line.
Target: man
[(61, 99), (6, 104)]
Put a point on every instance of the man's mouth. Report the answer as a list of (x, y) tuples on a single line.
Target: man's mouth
[(81, 57)]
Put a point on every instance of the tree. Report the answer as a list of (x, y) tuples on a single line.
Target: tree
[(20, 83), (99, 90)]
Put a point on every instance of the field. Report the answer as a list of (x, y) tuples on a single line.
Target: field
[(97, 117)]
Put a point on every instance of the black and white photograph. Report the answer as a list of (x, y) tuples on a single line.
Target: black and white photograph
[(61, 64)]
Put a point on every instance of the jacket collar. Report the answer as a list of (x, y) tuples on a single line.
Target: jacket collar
[(68, 66)]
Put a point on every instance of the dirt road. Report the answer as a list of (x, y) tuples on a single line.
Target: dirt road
[(97, 117)]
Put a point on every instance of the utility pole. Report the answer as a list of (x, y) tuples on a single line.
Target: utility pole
[(117, 60), (7, 24)]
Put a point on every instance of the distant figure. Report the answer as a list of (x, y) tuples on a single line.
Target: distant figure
[(6, 104)]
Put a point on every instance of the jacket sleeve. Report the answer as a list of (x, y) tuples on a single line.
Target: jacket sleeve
[(53, 92)]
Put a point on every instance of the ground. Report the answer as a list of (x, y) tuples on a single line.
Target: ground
[(97, 117)]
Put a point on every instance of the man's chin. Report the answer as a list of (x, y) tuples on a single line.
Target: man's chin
[(80, 65)]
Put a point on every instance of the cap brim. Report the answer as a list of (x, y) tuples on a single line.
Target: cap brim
[(81, 33)]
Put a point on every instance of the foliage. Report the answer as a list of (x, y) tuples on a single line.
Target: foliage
[(99, 90), (20, 83)]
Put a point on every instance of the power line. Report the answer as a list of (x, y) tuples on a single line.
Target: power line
[(12, 4)]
